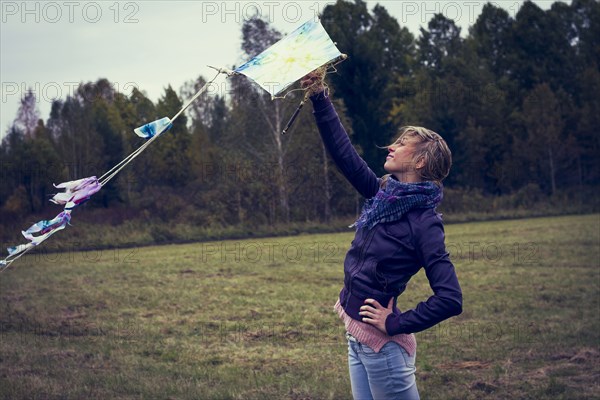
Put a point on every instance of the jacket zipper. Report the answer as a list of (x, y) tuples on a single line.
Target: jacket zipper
[(366, 243)]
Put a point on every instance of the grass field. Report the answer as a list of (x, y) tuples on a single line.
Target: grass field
[(253, 319)]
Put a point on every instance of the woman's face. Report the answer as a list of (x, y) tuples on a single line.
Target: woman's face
[(399, 161)]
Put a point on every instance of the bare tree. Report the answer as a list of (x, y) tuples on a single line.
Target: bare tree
[(28, 114)]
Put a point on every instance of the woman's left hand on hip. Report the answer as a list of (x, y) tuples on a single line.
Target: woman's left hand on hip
[(375, 314)]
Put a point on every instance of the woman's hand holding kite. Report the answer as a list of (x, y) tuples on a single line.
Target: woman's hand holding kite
[(314, 82)]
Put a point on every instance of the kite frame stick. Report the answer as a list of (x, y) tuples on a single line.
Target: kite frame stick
[(294, 116)]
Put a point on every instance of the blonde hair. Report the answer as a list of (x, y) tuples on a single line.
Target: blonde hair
[(431, 148)]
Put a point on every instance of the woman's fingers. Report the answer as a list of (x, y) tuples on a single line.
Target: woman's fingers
[(375, 314), (314, 78), (366, 313), (308, 81), (373, 303), (371, 311)]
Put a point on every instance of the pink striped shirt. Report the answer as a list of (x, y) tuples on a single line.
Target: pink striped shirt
[(373, 337)]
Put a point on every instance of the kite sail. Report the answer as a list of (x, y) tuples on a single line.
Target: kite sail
[(275, 69), (302, 51)]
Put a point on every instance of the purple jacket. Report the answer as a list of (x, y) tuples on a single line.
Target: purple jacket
[(382, 260)]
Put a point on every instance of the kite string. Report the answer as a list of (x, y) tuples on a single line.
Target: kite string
[(117, 168), (219, 72), (104, 179), (8, 262)]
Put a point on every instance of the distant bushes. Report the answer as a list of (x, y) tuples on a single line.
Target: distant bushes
[(471, 204), (175, 221)]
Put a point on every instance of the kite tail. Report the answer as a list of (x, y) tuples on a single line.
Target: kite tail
[(78, 192)]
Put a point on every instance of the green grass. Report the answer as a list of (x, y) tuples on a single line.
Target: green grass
[(253, 319)]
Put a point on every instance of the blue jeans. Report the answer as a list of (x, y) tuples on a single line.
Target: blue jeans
[(387, 375)]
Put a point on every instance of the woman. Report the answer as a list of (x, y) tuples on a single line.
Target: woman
[(398, 232)]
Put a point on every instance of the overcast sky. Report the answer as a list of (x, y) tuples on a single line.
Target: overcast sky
[(52, 46)]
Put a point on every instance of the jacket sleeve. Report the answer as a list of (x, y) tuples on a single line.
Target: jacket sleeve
[(446, 301), (338, 144)]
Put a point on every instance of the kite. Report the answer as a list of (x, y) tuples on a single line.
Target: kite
[(276, 69), (281, 65)]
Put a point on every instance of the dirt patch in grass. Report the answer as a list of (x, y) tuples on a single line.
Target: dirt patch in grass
[(460, 365)]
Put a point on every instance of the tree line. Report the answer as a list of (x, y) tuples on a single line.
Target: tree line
[(515, 98)]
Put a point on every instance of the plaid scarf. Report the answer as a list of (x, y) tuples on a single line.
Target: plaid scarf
[(397, 198)]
